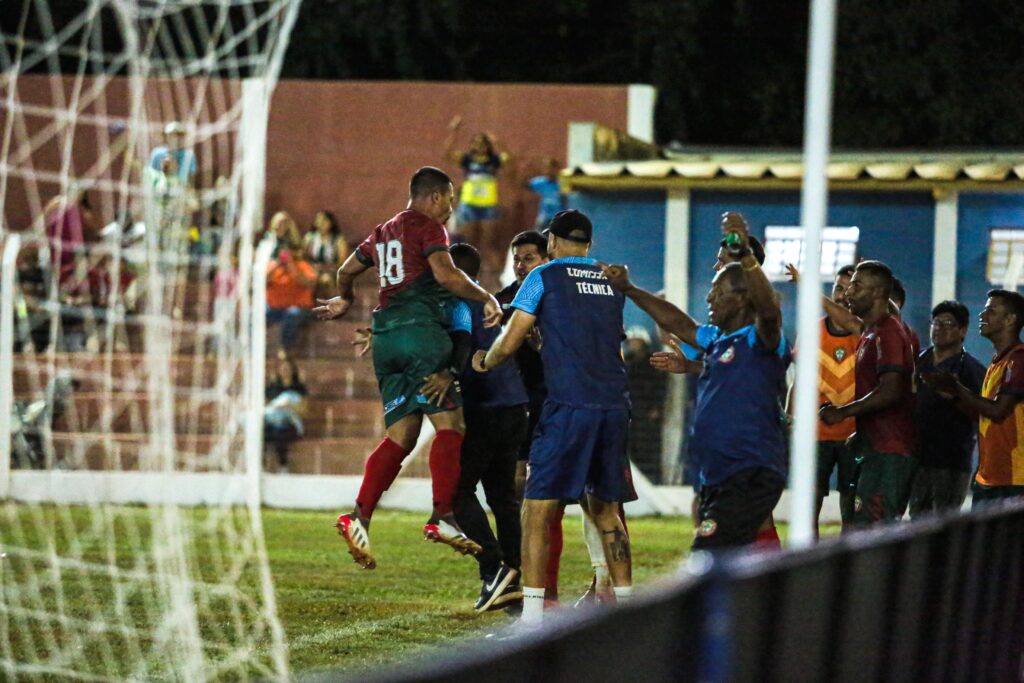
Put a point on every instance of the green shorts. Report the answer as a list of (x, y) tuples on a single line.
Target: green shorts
[(835, 455), (881, 486), (402, 359)]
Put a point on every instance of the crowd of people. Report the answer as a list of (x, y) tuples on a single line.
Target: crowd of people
[(528, 391)]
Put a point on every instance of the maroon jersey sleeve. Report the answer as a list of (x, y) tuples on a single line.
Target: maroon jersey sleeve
[(1013, 376), (894, 348), (367, 248), (430, 236)]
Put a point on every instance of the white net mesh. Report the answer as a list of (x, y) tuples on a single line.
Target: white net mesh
[(131, 167)]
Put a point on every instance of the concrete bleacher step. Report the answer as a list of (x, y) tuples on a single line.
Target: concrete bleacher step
[(130, 452), (329, 378), (129, 413)]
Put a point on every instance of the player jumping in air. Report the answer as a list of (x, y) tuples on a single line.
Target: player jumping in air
[(411, 343)]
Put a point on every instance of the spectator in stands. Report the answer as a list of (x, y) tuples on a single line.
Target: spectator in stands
[(32, 321), (285, 411), (326, 249), (1000, 407), (290, 283), (647, 387), (945, 434), (549, 192), (478, 199), (70, 223), (183, 160), (884, 443), (285, 232)]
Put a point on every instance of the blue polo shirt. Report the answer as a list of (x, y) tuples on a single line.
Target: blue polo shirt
[(501, 387), (580, 319), (738, 419)]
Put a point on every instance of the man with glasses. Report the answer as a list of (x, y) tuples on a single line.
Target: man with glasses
[(946, 433)]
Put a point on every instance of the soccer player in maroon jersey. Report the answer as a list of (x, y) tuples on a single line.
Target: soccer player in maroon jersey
[(410, 344)]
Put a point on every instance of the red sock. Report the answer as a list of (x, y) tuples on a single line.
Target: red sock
[(382, 467), (768, 539), (444, 469), (554, 555)]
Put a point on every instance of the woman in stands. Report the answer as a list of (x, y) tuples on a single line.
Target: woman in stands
[(478, 199), (326, 249), (285, 411)]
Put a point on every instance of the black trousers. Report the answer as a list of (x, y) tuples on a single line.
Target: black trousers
[(489, 453)]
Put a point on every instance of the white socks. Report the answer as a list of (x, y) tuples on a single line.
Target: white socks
[(623, 594), (533, 606)]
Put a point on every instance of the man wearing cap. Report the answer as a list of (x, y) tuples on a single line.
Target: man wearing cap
[(580, 445)]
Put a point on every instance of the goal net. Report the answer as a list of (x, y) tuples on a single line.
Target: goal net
[(131, 186)]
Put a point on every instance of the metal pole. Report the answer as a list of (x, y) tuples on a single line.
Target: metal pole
[(8, 265), (813, 209)]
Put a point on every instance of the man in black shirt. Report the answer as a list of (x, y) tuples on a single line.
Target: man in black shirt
[(945, 434)]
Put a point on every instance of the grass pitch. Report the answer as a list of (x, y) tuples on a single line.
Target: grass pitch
[(335, 614), (420, 597)]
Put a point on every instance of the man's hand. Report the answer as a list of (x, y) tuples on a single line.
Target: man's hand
[(674, 361), (534, 339), (618, 276), (478, 360), (793, 273), (944, 383), (830, 414), (332, 308), (363, 341), (435, 387), (492, 313), (735, 222)]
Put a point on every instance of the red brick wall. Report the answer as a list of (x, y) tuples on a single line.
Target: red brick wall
[(348, 146), (351, 146)]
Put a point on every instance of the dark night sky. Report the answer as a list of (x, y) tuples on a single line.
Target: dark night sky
[(941, 73)]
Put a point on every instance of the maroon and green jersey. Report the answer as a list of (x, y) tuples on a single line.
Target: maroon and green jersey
[(399, 249), (886, 347)]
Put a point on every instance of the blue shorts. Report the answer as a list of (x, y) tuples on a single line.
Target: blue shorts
[(472, 214), (577, 451)]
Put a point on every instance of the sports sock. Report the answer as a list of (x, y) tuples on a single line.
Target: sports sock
[(382, 467), (533, 606), (623, 593), (555, 544), (444, 470)]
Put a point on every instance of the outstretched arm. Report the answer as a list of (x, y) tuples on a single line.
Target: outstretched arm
[(338, 306), (460, 284), (759, 289), (508, 342), (667, 315), (840, 316)]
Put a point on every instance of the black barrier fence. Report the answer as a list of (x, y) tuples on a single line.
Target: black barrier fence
[(935, 600)]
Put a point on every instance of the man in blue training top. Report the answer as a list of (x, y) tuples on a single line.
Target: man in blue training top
[(580, 445), (738, 439)]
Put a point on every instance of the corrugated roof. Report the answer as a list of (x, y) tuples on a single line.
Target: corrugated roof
[(772, 169)]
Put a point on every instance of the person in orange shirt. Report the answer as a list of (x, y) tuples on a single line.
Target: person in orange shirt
[(1000, 407), (290, 283)]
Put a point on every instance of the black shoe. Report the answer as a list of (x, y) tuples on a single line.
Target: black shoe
[(494, 593)]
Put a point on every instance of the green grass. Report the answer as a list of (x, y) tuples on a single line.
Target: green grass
[(420, 597), (335, 614)]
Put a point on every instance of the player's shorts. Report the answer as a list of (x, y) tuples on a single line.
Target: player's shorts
[(577, 451), (881, 488), (730, 513), (402, 359), (472, 214), (835, 455)]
